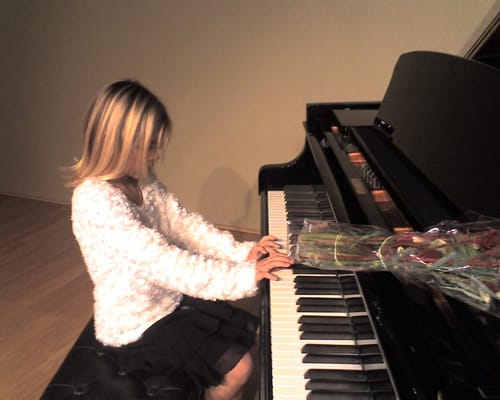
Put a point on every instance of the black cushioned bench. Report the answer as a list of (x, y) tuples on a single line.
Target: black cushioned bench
[(89, 373)]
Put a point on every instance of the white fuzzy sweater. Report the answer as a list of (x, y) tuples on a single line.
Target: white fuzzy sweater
[(141, 259)]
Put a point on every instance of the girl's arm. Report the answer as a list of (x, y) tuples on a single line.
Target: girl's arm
[(194, 232), (116, 245)]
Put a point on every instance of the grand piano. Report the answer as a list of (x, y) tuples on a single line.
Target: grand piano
[(428, 152)]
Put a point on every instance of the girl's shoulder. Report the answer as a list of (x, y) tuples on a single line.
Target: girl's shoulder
[(92, 187), (93, 193)]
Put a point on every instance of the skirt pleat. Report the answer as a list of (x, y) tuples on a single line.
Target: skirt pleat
[(205, 339)]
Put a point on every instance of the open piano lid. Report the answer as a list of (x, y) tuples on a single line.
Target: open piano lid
[(443, 113)]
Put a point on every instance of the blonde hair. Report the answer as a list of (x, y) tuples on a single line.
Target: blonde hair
[(124, 120)]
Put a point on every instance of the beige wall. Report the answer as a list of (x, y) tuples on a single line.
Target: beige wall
[(235, 75)]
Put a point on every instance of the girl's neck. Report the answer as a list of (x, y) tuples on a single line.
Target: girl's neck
[(130, 187)]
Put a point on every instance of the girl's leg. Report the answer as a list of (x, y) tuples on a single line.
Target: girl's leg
[(234, 381)]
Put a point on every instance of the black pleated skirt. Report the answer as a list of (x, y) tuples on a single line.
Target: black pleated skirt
[(205, 339)]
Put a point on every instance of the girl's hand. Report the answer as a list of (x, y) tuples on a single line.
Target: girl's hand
[(265, 246), (265, 265)]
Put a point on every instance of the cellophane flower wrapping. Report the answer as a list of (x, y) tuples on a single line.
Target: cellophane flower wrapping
[(462, 260), (332, 245)]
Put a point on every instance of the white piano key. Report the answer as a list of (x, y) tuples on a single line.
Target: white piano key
[(277, 218)]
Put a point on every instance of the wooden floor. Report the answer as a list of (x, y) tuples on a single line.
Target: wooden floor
[(45, 294)]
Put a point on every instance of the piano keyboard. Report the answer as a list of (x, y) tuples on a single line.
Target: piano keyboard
[(323, 345)]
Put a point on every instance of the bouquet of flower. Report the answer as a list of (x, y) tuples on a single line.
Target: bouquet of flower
[(463, 260), (332, 245)]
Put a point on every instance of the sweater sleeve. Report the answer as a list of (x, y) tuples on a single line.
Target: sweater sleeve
[(117, 245), (194, 232)]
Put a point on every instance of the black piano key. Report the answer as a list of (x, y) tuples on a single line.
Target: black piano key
[(334, 287), (300, 204), (308, 282), (328, 308), (298, 209), (302, 212), (325, 308), (307, 196), (357, 329), (294, 201), (334, 324), (300, 199), (349, 302), (326, 349), (332, 359), (325, 292), (349, 387), (330, 395), (334, 278), (337, 336), (317, 319), (379, 375), (343, 359), (304, 269), (329, 323), (319, 285), (320, 304), (297, 223), (334, 281)]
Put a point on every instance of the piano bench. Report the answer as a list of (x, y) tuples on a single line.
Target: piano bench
[(88, 372)]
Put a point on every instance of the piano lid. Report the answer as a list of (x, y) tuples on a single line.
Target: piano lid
[(444, 114)]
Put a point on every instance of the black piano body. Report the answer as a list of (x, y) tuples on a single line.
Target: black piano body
[(431, 147)]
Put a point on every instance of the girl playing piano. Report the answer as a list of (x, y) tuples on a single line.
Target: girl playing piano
[(160, 272)]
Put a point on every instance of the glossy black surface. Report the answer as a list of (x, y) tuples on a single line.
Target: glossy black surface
[(433, 147)]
